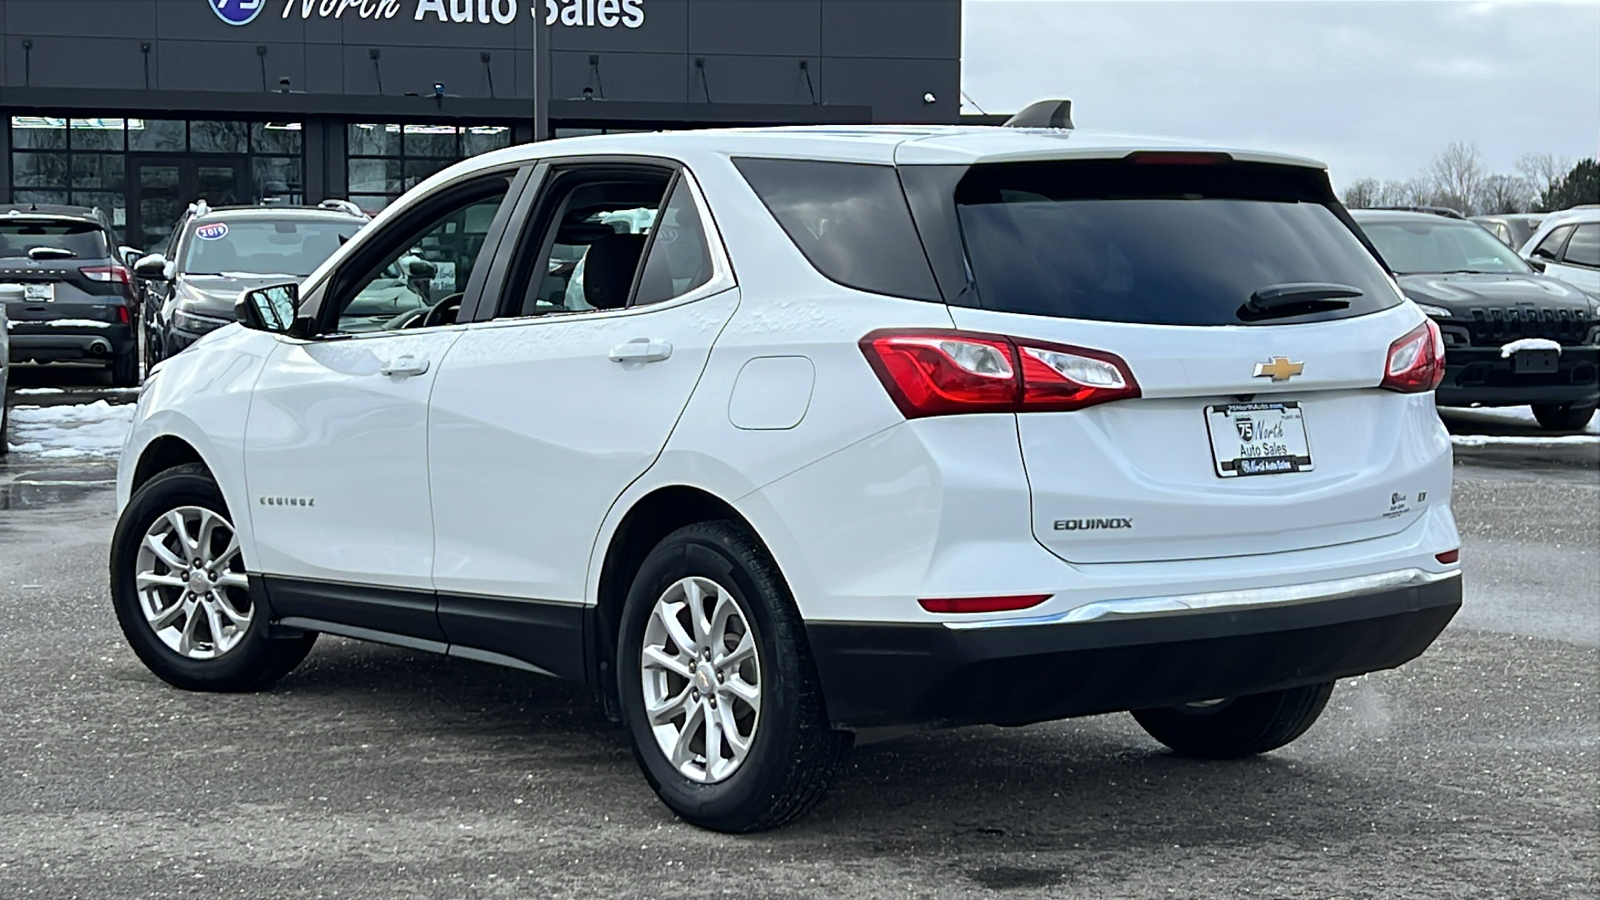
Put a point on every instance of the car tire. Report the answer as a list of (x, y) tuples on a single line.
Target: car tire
[(125, 369), (189, 650), (1239, 726), (1563, 416), (5, 422), (791, 752)]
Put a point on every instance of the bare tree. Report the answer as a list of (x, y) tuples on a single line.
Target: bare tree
[(1544, 171), (1458, 175), (1419, 191), (1392, 193), (1362, 193), (1503, 194)]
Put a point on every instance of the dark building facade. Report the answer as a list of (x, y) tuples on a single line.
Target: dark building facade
[(140, 107)]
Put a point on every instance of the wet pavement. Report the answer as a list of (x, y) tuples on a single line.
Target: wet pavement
[(379, 772)]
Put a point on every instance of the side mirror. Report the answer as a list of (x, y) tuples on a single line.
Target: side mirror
[(129, 256), (1538, 264), (151, 268), (270, 308)]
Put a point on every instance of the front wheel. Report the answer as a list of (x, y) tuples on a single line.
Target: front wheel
[(1563, 416), (181, 594), (717, 684), (1237, 726)]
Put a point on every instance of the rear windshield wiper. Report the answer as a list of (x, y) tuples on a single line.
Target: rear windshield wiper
[(1276, 301)]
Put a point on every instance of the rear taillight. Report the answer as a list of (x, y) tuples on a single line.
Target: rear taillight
[(1416, 362), (122, 315), (106, 274), (1449, 557), (936, 373)]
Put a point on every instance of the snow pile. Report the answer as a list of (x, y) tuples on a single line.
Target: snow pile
[(1484, 440), (58, 432), (1515, 347)]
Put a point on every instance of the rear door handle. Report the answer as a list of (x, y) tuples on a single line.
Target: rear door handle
[(405, 367), (641, 350)]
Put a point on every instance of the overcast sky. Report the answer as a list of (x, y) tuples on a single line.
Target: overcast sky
[(1372, 88)]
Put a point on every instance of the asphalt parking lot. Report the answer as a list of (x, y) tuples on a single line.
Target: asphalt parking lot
[(379, 772)]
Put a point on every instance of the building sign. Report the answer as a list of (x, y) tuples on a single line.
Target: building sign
[(237, 12), (569, 13)]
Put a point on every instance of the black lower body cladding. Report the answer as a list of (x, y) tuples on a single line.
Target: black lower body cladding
[(1483, 376), (898, 675)]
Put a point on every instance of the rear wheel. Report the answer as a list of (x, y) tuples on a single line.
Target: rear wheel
[(1563, 416), (1237, 726), (181, 594), (717, 685), (125, 369)]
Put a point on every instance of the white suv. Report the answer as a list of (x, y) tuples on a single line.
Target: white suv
[(833, 433)]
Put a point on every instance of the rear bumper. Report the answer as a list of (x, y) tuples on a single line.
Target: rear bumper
[(889, 675), (47, 344), (1479, 375)]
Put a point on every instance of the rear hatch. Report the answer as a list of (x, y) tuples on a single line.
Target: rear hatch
[(1256, 327), (65, 268)]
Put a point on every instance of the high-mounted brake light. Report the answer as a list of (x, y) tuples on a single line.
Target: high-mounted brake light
[(982, 604), (935, 373), (1178, 158), (1415, 363), (106, 274)]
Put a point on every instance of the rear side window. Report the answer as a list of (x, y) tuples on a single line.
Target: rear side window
[(83, 240), (1584, 248), (849, 219), (1162, 244), (1550, 247)]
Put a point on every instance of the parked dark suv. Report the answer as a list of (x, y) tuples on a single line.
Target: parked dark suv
[(217, 253), (77, 303), (1513, 336)]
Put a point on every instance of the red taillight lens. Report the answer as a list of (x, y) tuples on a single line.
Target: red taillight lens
[(982, 604), (1416, 362), (933, 373), (1449, 556), (122, 315), (106, 274)]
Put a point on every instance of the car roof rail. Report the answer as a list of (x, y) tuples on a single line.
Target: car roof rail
[(1043, 114), (344, 206), (199, 207), (1444, 211)]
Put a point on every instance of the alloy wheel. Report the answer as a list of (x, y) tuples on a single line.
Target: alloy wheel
[(191, 583), (702, 679)]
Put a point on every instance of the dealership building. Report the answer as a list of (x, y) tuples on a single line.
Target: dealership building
[(140, 107)]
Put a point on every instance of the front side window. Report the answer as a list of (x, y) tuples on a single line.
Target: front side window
[(1447, 245), (259, 246), (1584, 248), (421, 280), (1550, 247)]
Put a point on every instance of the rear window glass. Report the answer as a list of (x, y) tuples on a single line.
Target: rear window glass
[(849, 219), (1119, 241), (83, 240)]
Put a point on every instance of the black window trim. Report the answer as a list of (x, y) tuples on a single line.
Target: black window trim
[(317, 319), (549, 170)]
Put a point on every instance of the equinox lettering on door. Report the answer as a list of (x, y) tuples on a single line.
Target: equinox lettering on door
[(1091, 524), (571, 13)]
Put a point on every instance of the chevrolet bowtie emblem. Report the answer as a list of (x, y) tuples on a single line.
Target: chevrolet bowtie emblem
[(1279, 368)]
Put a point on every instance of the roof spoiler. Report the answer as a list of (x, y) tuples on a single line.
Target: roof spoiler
[(1043, 114)]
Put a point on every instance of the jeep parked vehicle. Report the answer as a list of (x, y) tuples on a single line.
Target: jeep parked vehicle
[(1513, 336), (848, 431), (77, 304), (1513, 229), (214, 254)]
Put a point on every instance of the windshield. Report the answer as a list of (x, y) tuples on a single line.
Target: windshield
[(83, 240), (1159, 244), (264, 246), (1413, 247)]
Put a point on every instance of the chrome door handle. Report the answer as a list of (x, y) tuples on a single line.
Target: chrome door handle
[(641, 350), (405, 367)]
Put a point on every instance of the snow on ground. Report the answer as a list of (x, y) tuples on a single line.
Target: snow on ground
[(60, 432)]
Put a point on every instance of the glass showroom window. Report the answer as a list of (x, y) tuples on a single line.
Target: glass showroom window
[(76, 161), (388, 160)]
